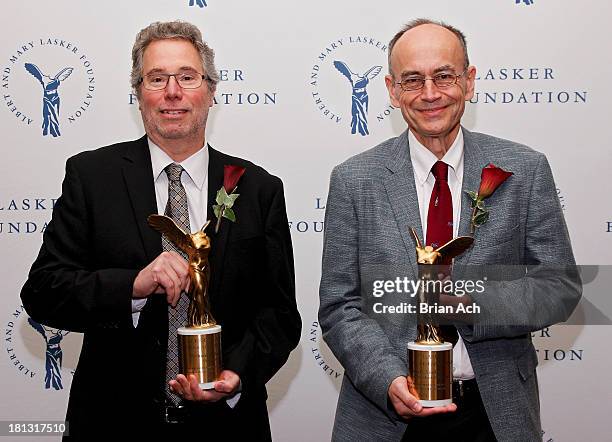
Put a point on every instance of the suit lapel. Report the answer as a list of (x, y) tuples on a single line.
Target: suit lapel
[(218, 240), (473, 162), (401, 191), (138, 176)]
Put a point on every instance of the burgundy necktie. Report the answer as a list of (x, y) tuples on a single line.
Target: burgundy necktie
[(440, 214), (440, 227)]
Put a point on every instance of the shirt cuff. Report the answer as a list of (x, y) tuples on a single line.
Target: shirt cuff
[(231, 402), (137, 306)]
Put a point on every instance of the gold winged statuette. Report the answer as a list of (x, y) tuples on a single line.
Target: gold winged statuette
[(428, 330), (197, 247)]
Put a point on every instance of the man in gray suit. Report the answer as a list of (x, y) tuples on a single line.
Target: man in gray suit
[(375, 197)]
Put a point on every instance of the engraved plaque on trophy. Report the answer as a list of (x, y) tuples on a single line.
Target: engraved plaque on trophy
[(199, 341), (430, 359)]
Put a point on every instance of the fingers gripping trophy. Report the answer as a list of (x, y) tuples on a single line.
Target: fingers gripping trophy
[(199, 342)]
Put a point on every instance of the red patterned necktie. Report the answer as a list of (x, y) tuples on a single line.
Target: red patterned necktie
[(440, 226)]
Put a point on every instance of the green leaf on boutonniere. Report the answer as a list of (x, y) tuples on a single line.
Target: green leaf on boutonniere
[(480, 218), (231, 199), (216, 210), (221, 196), (473, 195), (480, 204), (223, 199), (229, 214)]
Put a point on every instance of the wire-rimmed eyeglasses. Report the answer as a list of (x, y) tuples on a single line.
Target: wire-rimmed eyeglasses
[(157, 81), (441, 80)]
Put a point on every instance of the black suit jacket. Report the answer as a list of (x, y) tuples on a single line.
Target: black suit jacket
[(98, 241)]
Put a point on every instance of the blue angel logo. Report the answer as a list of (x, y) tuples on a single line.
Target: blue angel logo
[(359, 108), (53, 357), (51, 100), (527, 2), (200, 3)]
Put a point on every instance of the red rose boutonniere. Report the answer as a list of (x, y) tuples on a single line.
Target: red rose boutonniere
[(490, 179), (226, 196)]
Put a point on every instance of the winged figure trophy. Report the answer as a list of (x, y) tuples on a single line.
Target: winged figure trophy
[(428, 260), (197, 247)]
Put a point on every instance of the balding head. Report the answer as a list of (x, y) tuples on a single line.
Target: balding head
[(460, 37)]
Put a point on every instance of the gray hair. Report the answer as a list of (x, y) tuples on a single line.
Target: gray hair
[(425, 21), (172, 30)]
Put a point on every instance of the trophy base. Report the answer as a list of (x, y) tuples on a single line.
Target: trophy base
[(430, 404), (430, 367), (200, 354), (207, 386)]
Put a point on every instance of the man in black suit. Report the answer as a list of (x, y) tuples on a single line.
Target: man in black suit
[(101, 269)]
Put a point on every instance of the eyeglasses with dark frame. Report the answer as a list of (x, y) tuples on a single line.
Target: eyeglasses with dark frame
[(156, 81), (441, 80)]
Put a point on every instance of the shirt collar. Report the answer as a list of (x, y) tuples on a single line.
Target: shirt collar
[(196, 165), (423, 159)]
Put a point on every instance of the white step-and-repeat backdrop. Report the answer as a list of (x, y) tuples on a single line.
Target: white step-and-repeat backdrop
[(544, 79)]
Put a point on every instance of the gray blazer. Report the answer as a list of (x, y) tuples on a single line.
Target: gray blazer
[(371, 204)]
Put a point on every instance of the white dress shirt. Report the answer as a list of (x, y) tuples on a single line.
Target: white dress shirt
[(422, 162)]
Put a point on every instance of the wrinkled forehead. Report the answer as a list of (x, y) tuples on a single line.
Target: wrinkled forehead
[(426, 49)]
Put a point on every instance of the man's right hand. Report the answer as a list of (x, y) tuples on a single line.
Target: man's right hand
[(168, 273), (407, 406)]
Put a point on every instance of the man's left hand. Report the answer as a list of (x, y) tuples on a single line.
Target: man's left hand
[(188, 388)]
